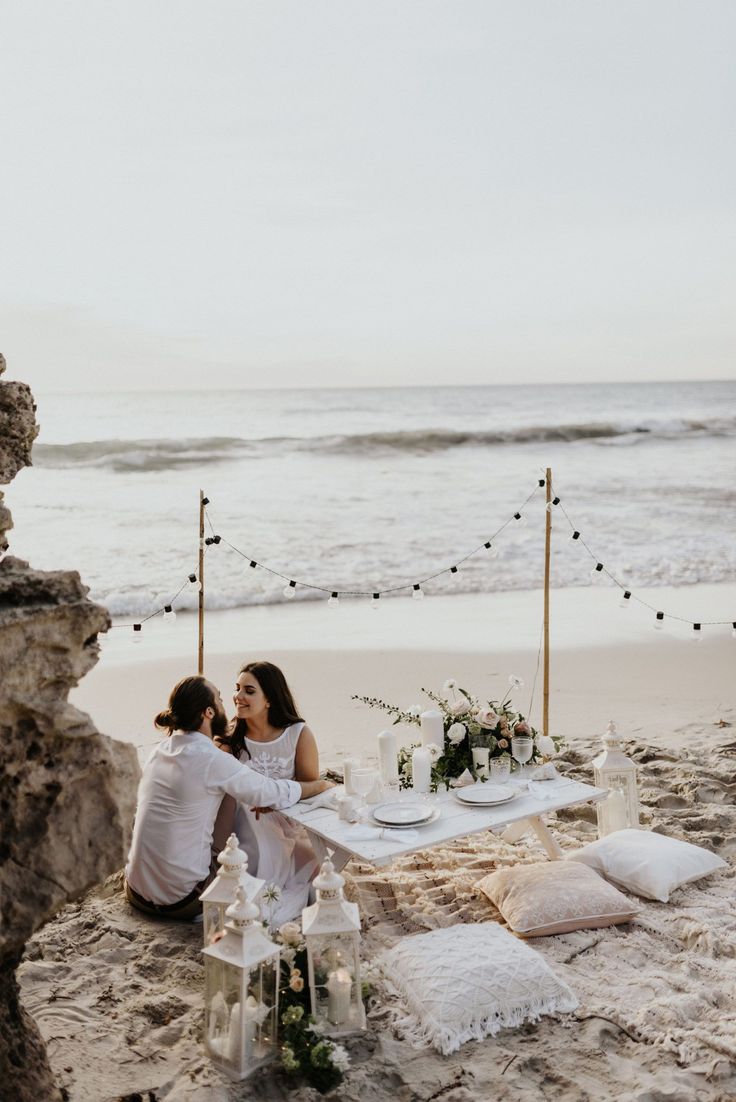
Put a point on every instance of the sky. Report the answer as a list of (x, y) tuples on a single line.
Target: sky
[(390, 192)]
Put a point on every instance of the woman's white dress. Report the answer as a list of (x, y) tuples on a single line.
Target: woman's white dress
[(278, 849)]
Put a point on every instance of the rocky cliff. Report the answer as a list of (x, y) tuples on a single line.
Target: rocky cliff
[(67, 793)]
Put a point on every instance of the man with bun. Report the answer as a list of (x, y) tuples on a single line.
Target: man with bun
[(182, 787)]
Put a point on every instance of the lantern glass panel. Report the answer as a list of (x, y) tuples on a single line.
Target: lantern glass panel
[(213, 919), (337, 999)]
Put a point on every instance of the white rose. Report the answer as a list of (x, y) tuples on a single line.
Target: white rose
[(459, 707), (546, 746), (290, 933), (456, 733)]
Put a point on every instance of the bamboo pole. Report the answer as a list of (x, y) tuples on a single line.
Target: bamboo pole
[(547, 547), (200, 642)]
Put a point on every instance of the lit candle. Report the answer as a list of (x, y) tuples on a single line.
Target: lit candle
[(618, 818), (388, 757), (433, 729), (339, 985), (421, 769), (481, 755), (348, 765)]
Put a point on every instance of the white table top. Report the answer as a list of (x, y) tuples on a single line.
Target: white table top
[(455, 821)]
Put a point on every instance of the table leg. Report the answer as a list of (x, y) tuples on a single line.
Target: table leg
[(517, 830), (339, 857)]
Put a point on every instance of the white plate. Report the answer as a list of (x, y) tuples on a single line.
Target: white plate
[(402, 813), (434, 815), (486, 795)]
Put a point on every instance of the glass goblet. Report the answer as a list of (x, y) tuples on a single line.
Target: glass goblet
[(501, 768), (362, 781), (522, 747)]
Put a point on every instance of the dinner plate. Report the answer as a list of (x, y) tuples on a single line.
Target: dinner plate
[(402, 813), (486, 795), (434, 815)]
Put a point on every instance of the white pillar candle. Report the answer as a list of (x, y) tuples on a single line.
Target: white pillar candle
[(339, 985), (421, 769), (618, 818), (481, 756), (433, 729), (348, 765), (388, 757)]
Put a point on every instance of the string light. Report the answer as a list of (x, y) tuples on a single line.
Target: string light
[(4, 550), (333, 600), (659, 621), (169, 614), (205, 501), (550, 504), (733, 630), (453, 570), (597, 570), (520, 519), (289, 591), (625, 601), (192, 578), (374, 602), (418, 593), (253, 563), (137, 632), (574, 535), (697, 633)]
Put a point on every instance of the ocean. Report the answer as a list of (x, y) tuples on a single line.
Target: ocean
[(372, 489)]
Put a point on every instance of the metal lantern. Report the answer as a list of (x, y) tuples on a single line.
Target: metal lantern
[(241, 975), (616, 772), (331, 929), (218, 895)]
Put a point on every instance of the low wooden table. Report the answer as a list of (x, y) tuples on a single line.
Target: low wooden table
[(328, 833)]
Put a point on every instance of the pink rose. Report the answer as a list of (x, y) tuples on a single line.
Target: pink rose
[(459, 707), (486, 717), (522, 728), (503, 743)]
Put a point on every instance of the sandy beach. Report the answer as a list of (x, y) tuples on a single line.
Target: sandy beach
[(118, 999)]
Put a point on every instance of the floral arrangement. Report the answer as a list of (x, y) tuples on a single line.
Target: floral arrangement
[(305, 1051), (467, 722)]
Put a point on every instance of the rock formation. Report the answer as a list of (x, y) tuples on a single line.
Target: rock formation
[(67, 793)]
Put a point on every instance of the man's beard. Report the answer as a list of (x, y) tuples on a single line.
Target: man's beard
[(218, 724)]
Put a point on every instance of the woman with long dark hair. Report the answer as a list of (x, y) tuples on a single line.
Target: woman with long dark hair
[(270, 736)]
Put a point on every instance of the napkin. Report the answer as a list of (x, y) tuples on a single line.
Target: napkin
[(546, 772), (363, 833), (328, 798), (463, 780)]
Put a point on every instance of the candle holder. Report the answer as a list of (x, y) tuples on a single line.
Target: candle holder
[(331, 929), (480, 750), (241, 977), (615, 771)]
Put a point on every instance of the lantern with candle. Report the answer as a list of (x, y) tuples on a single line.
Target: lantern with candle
[(616, 772), (331, 929), (241, 975), (218, 895)]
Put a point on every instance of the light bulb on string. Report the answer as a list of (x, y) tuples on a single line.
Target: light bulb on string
[(575, 535), (418, 593), (551, 504), (491, 549), (4, 551), (192, 579), (659, 621), (137, 632), (733, 630), (453, 570), (520, 519), (289, 591), (169, 614), (697, 633), (333, 600), (596, 571), (625, 601), (374, 601)]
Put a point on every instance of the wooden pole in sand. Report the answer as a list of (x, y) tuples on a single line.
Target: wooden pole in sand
[(200, 644), (547, 547)]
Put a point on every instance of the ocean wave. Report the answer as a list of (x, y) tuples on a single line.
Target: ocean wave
[(166, 454)]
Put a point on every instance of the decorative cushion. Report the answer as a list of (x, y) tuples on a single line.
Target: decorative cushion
[(465, 983), (649, 864), (555, 898)]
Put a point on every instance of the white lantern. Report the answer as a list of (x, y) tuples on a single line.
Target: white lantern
[(241, 974), (616, 772), (218, 895), (331, 929)]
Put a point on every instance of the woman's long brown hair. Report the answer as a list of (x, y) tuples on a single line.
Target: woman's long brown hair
[(282, 710)]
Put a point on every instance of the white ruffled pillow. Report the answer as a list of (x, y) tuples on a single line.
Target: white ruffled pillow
[(648, 864), (465, 983)]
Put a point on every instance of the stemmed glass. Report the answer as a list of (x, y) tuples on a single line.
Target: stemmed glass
[(522, 747), (362, 781)]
